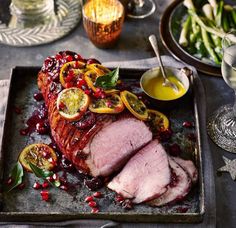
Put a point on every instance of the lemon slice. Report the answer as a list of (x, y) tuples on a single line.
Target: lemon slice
[(41, 155), (112, 104), (157, 120), (134, 105), (72, 103)]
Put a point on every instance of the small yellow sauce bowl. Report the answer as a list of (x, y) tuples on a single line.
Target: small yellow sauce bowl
[(164, 97)]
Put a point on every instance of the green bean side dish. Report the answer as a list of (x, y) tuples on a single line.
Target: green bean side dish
[(205, 27)]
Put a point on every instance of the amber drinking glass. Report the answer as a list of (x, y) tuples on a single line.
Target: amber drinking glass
[(103, 21)]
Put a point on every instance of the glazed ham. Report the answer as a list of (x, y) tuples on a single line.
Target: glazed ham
[(99, 149), (145, 176), (177, 189)]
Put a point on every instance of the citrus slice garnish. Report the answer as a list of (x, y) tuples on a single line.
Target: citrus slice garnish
[(41, 155), (112, 104), (157, 120), (72, 103), (134, 105), (98, 69), (70, 72), (90, 77)]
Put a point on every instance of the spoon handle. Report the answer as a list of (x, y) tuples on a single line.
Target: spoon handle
[(153, 41)]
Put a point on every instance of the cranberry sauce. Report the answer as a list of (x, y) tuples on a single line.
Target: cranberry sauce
[(38, 122)]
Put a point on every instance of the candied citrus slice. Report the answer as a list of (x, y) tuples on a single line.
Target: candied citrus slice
[(70, 72), (157, 120), (112, 104), (41, 155), (98, 69), (90, 78), (72, 103), (134, 105)]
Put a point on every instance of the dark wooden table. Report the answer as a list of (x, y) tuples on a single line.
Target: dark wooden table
[(133, 44)]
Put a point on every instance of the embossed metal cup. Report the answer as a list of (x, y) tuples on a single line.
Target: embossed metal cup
[(103, 21)]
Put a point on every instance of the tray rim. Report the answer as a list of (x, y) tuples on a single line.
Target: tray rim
[(142, 217)]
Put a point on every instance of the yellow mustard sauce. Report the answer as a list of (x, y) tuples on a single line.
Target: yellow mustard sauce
[(155, 88)]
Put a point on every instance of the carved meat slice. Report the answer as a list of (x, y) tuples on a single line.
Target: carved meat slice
[(189, 167), (179, 187), (145, 176)]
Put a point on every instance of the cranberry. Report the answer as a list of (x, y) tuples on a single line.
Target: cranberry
[(92, 204), (44, 195), (38, 96), (87, 91), (21, 186), (9, 181), (165, 135), (55, 176), (53, 145), (69, 78), (88, 199), (50, 179), (53, 162), (48, 65), (61, 106), (94, 210), (45, 184), (69, 85), (97, 195), (119, 198), (187, 124), (45, 154), (37, 185), (41, 128), (58, 57), (94, 184), (78, 57), (24, 131), (69, 58), (91, 61), (64, 187), (80, 83), (109, 104), (66, 164), (174, 150)]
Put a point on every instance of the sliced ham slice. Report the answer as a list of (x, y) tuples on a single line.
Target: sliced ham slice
[(179, 187), (145, 176), (189, 167), (114, 144)]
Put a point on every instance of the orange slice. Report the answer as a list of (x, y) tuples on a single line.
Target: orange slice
[(112, 104), (72, 103), (70, 72), (157, 120), (134, 105), (41, 155)]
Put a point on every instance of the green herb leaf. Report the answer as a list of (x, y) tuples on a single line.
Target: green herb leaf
[(16, 174), (41, 173), (109, 80)]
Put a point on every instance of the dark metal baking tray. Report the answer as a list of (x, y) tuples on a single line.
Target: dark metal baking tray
[(26, 205)]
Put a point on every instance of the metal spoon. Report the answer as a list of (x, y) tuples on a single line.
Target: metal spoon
[(167, 82)]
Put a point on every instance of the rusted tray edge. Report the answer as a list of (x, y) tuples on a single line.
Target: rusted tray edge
[(199, 101)]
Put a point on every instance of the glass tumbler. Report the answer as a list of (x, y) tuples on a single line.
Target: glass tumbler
[(103, 21)]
